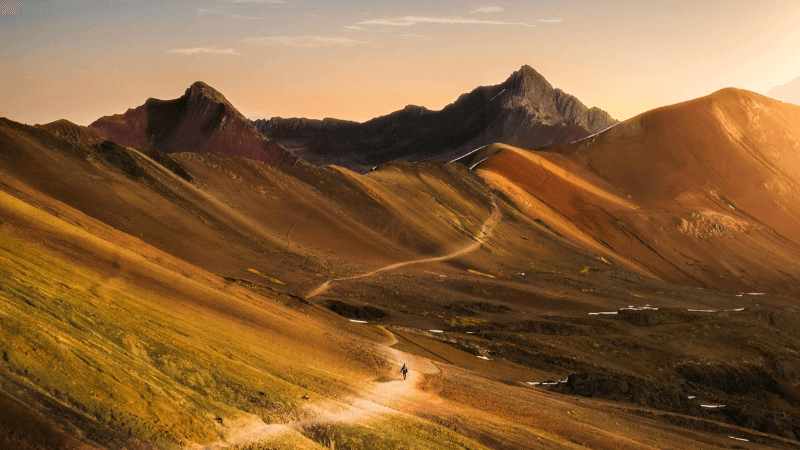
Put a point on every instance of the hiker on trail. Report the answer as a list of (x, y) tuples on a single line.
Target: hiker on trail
[(404, 370)]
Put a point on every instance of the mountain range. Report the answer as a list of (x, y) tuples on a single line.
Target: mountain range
[(525, 111)]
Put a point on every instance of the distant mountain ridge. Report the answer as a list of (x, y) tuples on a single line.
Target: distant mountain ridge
[(525, 111), (201, 121)]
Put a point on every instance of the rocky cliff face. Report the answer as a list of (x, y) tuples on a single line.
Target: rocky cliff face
[(528, 91), (201, 121), (525, 110)]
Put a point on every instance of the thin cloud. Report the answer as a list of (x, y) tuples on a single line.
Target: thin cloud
[(204, 51), (227, 14), (353, 27), (259, 1), (419, 36), (305, 41), (412, 20), (550, 20), (487, 9)]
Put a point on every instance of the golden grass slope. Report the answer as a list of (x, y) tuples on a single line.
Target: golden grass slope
[(153, 348)]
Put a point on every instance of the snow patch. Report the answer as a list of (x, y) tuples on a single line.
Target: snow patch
[(467, 154), (712, 406), (436, 331), (483, 357), (587, 137), (545, 383), (639, 308), (692, 397), (358, 321), (475, 165), (498, 95), (739, 439), (628, 308)]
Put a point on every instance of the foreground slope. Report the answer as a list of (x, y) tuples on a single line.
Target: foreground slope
[(129, 339), (201, 121), (525, 110), (701, 193), (158, 303)]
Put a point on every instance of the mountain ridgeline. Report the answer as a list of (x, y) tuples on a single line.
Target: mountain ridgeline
[(201, 121), (524, 111)]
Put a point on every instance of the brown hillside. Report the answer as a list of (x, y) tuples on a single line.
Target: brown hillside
[(697, 193)]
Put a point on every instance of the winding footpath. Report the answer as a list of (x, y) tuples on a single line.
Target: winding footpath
[(376, 400), (480, 239)]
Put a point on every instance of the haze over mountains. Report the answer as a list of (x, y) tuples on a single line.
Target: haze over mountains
[(789, 92), (171, 278)]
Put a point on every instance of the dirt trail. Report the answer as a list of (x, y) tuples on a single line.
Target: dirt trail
[(480, 239), (379, 399)]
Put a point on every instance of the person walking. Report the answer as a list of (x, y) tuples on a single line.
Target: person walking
[(404, 370)]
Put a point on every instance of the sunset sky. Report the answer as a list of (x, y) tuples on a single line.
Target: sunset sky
[(354, 59)]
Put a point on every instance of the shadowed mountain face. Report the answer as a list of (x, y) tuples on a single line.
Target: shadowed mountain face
[(201, 121), (524, 111), (703, 192)]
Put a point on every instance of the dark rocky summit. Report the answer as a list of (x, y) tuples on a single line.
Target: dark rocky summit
[(524, 111)]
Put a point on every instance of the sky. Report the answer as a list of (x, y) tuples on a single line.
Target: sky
[(356, 59)]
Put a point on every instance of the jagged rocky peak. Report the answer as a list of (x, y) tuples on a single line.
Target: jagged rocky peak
[(300, 124), (200, 89), (200, 93), (416, 110), (600, 119), (530, 94), (527, 82)]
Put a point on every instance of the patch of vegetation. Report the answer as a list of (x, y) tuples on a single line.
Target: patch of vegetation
[(465, 322), (266, 277), (365, 312), (396, 432), (118, 156), (473, 308), (166, 161)]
